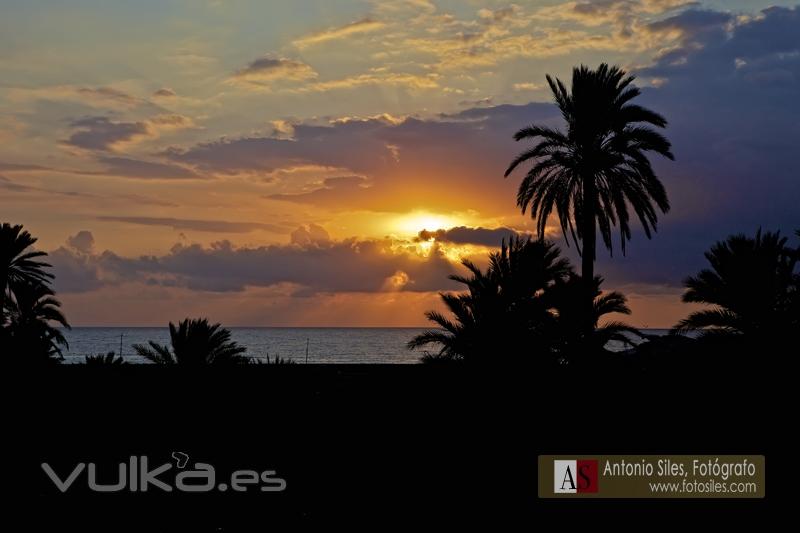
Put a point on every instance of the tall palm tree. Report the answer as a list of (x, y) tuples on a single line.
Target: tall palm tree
[(753, 287), (18, 266), (597, 170), (195, 342), (503, 311), (31, 333)]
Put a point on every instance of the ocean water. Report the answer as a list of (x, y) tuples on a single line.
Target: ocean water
[(324, 345)]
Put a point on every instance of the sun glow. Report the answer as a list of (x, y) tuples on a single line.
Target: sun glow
[(413, 223)]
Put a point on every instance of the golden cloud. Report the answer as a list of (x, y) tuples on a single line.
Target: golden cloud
[(361, 26)]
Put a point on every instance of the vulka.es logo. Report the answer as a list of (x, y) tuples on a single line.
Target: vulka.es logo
[(136, 475), (572, 477)]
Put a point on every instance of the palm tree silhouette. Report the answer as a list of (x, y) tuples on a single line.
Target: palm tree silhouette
[(569, 340), (108, 359), (504, 311), (594, 172), (752, 286), (277, 360), (30, 332), (18, 267), (195, 342)]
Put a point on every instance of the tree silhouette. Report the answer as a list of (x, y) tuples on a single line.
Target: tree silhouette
[(18, 267), (752, 286), (195, 342), (29, 330), (503, 313), (108, 359), (570, 341), (594, 172), (277, 360)]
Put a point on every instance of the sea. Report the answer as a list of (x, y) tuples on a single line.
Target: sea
[(311, 345)]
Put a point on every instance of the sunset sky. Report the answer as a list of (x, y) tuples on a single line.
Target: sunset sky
[(274, 163)]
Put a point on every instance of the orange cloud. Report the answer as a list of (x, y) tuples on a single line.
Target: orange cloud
[(357, 27)]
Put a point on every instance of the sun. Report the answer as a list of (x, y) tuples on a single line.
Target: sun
[(413, 223)]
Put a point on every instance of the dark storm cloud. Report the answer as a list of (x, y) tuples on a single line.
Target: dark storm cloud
[(732, 102)]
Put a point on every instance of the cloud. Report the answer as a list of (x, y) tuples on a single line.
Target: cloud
[(82, 242), (266, 71), (513, 32), (135, 168), (15, 187), (16, 167), (357, 27), (316, 267), (400, 6), (490, 16), (729, 91), (164, 92), (397, 281), (99, 133), (386, 160), (465, 235), (409, 81), (170, 121), (207, 226), (687, 32), (733, 125), (332, 192), (487, 101), (310, 234), (101, 97), (109, 94), (77, 272), (38, 191), (624, 15), (527, 86)]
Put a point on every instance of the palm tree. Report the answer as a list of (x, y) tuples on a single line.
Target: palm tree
[(752, 286), (569, 340), (595, 171), (277, 360), (195, 342), (108, 359), (30, 332), (503, 311), (18, 267)]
